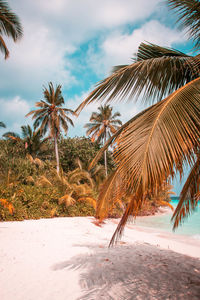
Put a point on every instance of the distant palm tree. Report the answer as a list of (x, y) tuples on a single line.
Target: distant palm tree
[(33, 142), (2, 124), (51, 116), (10, 26), (102, 125)]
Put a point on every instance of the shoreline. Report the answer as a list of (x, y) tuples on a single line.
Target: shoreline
[(69, 258), (134, 233)]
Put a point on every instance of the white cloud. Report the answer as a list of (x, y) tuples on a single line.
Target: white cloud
[(122, 46), (118, 47), (34, 61), (13, 113), (53, 29)]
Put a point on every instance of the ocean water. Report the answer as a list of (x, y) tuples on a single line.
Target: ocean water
[(190, 226)]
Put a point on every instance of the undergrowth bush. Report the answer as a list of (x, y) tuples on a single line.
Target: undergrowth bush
[(33, 202)]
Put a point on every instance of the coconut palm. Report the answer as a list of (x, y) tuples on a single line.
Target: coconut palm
[(51, 116), (32, 140), (10, 26), (156, 143), (102, 125)]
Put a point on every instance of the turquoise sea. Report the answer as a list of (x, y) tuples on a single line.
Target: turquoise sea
[(191, 225)]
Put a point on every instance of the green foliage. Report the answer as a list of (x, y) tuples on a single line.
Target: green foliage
[(82, 148), (34, 189), (34, 202)]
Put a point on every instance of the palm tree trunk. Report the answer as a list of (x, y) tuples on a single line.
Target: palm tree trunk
[(56, 152), (105, 158)]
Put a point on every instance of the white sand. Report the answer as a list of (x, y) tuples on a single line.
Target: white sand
[(68, 259)]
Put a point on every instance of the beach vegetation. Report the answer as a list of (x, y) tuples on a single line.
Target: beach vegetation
[(82, 148), (33, 141)]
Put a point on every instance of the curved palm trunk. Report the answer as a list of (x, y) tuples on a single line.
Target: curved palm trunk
[(56, 152), (105, 158)]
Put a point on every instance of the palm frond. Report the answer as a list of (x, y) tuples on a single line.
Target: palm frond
[(89, 200), (189, 195), (156, 142), (188, 12), (156, 72), (4, 48), (11, 135), (10, 26), (10, 23), (67, 199), (26, 131), (112, 190)]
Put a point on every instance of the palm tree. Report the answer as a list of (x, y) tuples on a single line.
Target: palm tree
[(51, 116), (154, 145), (10, 26), (32, 140), (102, 125)]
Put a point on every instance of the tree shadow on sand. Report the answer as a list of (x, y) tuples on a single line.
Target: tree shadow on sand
[(139, 271)]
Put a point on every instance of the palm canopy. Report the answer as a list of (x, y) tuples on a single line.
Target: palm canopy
[(34, 144), (10, 26), (51, 116), (155, 144), (103, 124)]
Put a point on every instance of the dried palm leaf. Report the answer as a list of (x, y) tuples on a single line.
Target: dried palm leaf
[(89, 200), (43, 181), (67, 200)]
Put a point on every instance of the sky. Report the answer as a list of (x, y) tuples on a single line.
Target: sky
[(76, 43)]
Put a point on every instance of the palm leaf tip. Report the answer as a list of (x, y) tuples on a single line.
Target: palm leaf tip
[(188, 12), (190, 195)]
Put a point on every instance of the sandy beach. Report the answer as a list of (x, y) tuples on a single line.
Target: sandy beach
[(69, 259)]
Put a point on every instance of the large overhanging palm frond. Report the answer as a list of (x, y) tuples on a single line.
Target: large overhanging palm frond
[(188, 12), (189, 196), (156, 142), (156, 71)]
